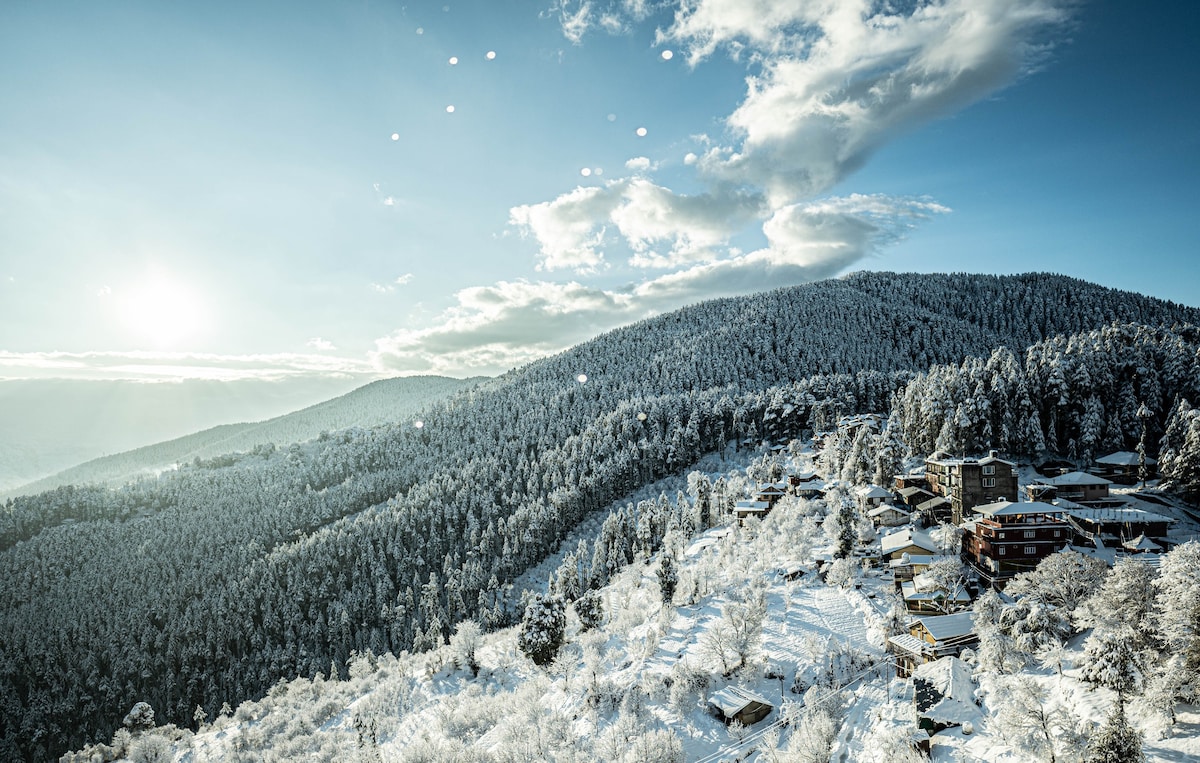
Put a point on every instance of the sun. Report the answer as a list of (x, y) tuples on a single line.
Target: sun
[(163, 310)]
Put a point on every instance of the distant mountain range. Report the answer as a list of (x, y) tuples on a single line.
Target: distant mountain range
[(379, 402)]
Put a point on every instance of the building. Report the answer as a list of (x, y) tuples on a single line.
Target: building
[(944, 693), (1079, 487), (969, 482), (935, 511), (886, 515), (913, 495), (911, 542), (1004, 539), (771, 492), (736, 704), (930, 638), (908, 566), (1111, 527), (1123, 467), (870, 496), (745, 509), (921, 595)]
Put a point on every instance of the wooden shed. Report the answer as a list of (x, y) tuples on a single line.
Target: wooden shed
[(735, 704)]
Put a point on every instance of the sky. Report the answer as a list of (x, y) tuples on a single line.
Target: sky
[(313, 190)]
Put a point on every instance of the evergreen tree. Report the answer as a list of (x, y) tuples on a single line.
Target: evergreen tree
[(668, 578), (542, 628), (1117, 740), (590, 609)]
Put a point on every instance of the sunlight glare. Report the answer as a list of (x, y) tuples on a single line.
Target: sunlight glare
[(667, 55), (641, 132), (454, 60), (449, 109), (162, 310), (491, 55)]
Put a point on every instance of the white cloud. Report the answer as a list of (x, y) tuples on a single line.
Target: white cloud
[(388, 288), (176, 366), (842, 77), (640, 164), (570, 229), (494, 328), (320, 345)]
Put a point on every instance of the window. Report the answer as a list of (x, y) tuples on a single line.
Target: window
[(989, 470), (989, 482), (1056, 533), (1030, 550), (1031, 533), (1003, 550)]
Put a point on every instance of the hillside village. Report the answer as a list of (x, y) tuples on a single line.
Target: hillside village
[(975, 608)]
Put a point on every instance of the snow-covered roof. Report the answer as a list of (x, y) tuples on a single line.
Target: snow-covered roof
[(917, 559), (733, 699), (1123, 458), (933, 503), (953, 711), (1011, 509), (992, 458), (910, 644), (943, 627), (907, 537), (804, 476), (909, 492), (1141, 543), (752, 505), (912, 590), (950, 676), (873, 491), (1113, 514), (884, 508), (1075, 479), (771, 489)]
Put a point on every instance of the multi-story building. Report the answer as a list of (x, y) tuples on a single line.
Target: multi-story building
[(969, 482), (1004, 539)]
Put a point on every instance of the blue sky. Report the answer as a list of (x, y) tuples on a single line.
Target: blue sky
[(236, 191)]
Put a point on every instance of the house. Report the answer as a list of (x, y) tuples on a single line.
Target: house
[(944, 693), (886, 515), (968, 482), (1123, 467), (930, 638), (911, 480), (771, 492), (1141, 545), (1111, 527), (736, 704), (908, 566), (745, 509), (870, 496), (907, 541), (1006, 538), (1079, 487), (806, 485), (913, 495), (936, 511), (921, 595)]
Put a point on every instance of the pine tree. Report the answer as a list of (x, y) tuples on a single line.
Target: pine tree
[(668, 578), (543, 628), (1117, 740), (590, 609)]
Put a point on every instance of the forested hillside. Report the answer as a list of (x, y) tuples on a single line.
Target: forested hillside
[(380, 402), (209, 584)]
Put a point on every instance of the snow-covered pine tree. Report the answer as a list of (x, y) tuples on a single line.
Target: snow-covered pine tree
[(542, 628), (1117, 741)]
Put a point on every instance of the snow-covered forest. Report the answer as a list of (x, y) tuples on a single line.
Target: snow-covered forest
[(210, 584)]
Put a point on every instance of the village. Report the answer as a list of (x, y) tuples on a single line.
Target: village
[(949, 530)]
